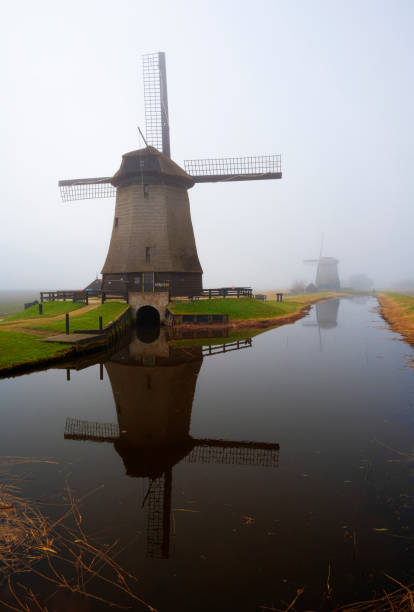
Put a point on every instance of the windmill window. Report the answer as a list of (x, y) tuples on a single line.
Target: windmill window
[(146, 191), (116, 221), (147, 254), (141, 163)]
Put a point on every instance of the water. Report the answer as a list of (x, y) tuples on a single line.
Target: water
[(271, 465)]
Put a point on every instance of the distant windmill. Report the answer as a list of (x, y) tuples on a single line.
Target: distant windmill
[(152, 245), (327, 271)]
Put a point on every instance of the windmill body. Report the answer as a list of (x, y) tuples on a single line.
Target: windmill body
[(152, 247), (152, 243), (327, 272)]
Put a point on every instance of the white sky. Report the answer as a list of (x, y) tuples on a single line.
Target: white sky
[(326, 83)]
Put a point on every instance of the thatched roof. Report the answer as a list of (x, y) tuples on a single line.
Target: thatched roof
[(147, 164)]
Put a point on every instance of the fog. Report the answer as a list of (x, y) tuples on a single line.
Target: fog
[(328, 84)]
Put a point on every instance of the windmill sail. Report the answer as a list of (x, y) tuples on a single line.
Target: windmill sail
[(156, 102), (257, 168), (86, 189)]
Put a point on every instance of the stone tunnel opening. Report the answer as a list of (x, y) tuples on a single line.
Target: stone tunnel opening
[(148, 324)]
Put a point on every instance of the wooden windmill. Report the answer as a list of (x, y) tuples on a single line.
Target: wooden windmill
[(326, 273), (154, 398), (152, 245)]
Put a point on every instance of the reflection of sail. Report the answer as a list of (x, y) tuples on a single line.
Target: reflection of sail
[(153, 387), (159, 516), (327, 313)]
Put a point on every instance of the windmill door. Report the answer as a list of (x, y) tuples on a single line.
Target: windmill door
[(148, 281)]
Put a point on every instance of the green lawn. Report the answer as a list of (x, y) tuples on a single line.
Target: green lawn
[(17, 348), (242, 308), (50, 309), (90, 320)]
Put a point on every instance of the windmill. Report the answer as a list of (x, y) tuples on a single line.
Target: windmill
[(326, 273), (154, 398), (152, 247)]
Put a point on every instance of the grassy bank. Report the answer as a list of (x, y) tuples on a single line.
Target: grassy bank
[(249, 309), (243, 308), (398, 310), (18, 347), (12, 301), (50, 309), (22, 343), (88, 320)]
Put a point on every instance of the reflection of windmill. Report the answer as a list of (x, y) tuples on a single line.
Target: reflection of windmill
[(152, 434), (326, 317), (152, 244), (326, 273)]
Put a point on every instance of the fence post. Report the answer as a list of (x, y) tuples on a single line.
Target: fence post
[(67, 322), (100, 324), (87, 298), (40, 308)]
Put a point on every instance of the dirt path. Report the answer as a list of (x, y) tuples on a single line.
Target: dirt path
[(24, 324)]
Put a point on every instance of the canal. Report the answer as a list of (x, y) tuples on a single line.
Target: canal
[(225, 477)]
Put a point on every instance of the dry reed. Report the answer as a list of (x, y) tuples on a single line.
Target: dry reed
[(57, 553), (400, 600)]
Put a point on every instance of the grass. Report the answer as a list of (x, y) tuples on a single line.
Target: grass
[(18, 347), (403, 300), (89, 320), (310, 298), (12, 301), (50, 309), (400, 600), (398, 310), (237, 309), (55, 553)]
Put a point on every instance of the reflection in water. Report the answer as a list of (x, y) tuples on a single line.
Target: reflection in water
[(327, 313), (147, 333), (326, 317), (153, 385)]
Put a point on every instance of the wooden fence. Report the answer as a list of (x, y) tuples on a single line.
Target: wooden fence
[(29, 304), (227, 292)]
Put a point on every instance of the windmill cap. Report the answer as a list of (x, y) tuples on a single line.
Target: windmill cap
[(150, 166), (328, 260)]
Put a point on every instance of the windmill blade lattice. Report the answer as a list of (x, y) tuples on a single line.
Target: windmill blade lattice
[(234, 168), (156, 102), (86, 189)]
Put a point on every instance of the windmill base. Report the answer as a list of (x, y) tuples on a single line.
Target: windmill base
[(158, 300)]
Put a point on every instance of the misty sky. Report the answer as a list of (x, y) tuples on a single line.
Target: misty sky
[(326, 83)]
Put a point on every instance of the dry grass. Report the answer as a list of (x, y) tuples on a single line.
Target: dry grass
[(57, 554), (398, 311), (400, 600)]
